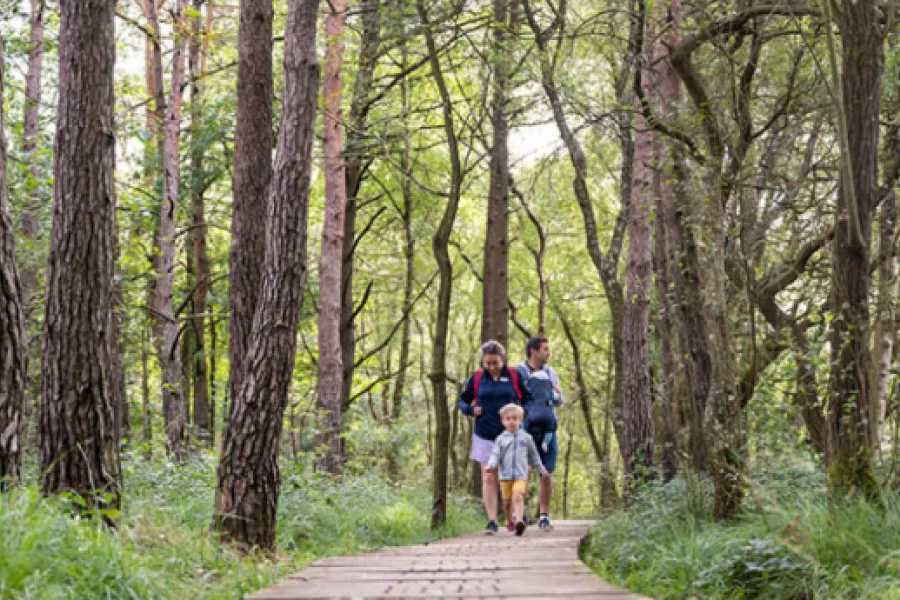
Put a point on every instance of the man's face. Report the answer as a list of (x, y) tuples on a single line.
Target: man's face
[(542, 354)]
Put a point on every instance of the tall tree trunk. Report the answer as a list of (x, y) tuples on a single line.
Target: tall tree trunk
[(409, 256), (213, 388), (252, 174), (30, 216), (858, 109), (79, 446), (198, 232), (355, 159), (495, 288), (328, 438), (637, 414), (885, 320), (145, 394), (440, 247), (12, 328), (248, 478), (165, 322)]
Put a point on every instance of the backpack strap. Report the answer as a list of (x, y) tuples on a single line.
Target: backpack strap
[(514, 377), (478, 374)]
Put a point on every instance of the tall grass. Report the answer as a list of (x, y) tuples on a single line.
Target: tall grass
[(791, 545), (163, 549)]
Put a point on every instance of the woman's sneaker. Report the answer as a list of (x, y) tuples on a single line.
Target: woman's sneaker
[(491, 528), (520, 527), (544, 523)]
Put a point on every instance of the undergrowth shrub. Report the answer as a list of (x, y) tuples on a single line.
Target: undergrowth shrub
[(162, 547), (787, 544)]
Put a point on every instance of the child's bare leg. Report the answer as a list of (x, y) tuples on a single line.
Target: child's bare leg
[(518, 501)]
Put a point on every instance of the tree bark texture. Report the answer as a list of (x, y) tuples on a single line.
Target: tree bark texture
[(637, 415), (166, 331), (440, 247), (851, 385), (12, 329), (884, 336), (252, 175), (355, 158), (328, 438), (249, 480), (495, 287), (79, 444), (198, 233)]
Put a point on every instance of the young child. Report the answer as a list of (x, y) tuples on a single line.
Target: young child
[(514, 451)]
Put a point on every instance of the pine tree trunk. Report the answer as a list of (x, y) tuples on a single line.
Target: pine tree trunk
[(328, 439), (145, 395), (252, 175), (851, 386), (31, 127), (12, 328), (637, 415), (885, 321), (495, 287), (248, 476), (165, 323), (79, 445)]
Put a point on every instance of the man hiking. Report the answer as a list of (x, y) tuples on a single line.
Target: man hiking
[(540, 418)]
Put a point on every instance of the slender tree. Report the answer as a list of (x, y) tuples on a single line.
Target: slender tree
[(166, 330), (248, 478), (495, 289), (328, 439), (12, 330), (79, 445)]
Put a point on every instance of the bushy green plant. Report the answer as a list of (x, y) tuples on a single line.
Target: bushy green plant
[(804, 547)]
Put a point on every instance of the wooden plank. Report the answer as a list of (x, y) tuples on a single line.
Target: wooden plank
[(538, 565)]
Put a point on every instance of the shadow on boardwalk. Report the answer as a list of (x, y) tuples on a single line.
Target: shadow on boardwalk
[(537, 565)]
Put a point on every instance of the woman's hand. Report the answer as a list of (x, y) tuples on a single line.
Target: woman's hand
[(477, 411)]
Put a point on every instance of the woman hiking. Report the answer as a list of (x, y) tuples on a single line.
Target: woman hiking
[(488, 390)]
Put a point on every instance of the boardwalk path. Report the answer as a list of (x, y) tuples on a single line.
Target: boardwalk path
[(537, 565)]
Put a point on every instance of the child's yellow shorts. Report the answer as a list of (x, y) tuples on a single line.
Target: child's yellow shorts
[(510, 486)]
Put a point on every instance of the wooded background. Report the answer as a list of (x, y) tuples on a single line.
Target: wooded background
[(211, 242)]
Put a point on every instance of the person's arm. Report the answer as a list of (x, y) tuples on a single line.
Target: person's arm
[(496, 456), (534, 459), (557, 390), (464, 404)]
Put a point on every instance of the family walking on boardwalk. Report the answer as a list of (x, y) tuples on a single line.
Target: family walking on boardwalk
[(515, 429)]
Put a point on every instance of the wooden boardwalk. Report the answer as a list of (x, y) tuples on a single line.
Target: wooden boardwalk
[(536, 565)]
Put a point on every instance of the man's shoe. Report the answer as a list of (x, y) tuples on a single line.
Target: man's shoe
[(491, 528), (520, 527), (544, 524), (510, 526)]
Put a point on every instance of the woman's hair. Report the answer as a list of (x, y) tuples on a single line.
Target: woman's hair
[(492, 347), (512, 408)]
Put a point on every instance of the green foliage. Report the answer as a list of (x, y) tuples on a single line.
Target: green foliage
[(792, 545), (163, 548)]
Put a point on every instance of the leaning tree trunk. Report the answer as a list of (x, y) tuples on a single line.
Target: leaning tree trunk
[(166, 330), (12, 329), (252, 174), (79, 444), (328, 438), (495, 287), (858, 109), (355, 158), (440, 246), (249, 480)]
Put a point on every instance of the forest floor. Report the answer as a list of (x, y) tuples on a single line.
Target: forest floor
[(790, 542), (163, 547)]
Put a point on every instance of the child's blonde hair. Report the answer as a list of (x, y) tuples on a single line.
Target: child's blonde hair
[(512, 408)]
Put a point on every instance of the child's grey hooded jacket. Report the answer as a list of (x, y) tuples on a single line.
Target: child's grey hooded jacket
[(514, 453)]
